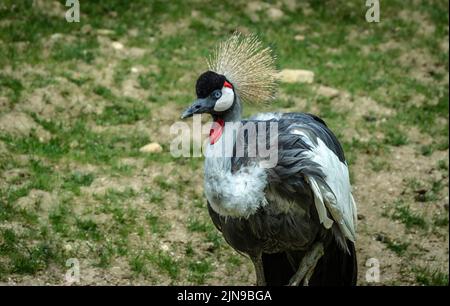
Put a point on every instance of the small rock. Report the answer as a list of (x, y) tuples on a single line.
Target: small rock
[(151, 148), (290, 4), (327, 91), (68, 248), (73, 144), (134, 70), (195, 14), (164, 247), (117, 45), (296, 76), (254, 6), (87, 28), (274, 13), (105, 32), (136, 52), (299, 37), (116, 270), (56, 36), (133, 32)]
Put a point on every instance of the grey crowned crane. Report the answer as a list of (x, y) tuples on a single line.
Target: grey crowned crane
[(295, 220)]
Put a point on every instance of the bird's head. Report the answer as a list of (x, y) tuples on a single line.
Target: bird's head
[(240, 69), (215, 96)]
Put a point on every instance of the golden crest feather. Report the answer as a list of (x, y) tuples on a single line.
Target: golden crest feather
[(248, 66)]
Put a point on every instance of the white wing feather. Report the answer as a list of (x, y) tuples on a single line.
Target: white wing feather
[(319, 203), (336, 194)]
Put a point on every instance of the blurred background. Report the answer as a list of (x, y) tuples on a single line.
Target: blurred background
[(85, 111)]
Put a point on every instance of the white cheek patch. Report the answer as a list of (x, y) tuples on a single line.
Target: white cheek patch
[(225, 101)]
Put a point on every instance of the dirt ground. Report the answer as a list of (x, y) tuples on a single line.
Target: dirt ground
[(140, 218)]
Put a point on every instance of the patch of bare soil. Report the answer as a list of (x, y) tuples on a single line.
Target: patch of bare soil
[(376, 194), (65, 99), (20, 124), (424, 65), (426, 28)]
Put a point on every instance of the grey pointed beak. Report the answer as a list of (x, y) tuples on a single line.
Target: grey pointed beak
[(198, 107)]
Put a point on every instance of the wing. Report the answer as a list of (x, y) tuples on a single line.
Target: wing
[(309, 151), (332, 190)]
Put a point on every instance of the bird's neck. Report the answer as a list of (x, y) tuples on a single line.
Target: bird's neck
[(233, 114), (220, 121), (237, 194)]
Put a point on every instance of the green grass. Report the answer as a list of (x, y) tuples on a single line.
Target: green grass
[(396, 138), (12, 87), (138, 264), (124, 111), (77, 179), (189, 251), (118, 169), (196, 225), (90, 147), (397, 247), (116, 197), (409, 218), (426, 150), (162, 182), (104, 92), (94, 126), (154, 196), (104, 254), (24, 258), (166, 264), (199, 271), (88, 229), (440, 221), (59, 219), (215, 238), (442, 165), (379, 164), (83, 50), (156, 225), (427, 277)]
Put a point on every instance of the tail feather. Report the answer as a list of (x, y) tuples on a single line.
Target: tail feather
[(336, 268), (277, 269)]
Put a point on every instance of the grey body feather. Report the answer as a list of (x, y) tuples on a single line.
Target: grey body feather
[(289, 222)]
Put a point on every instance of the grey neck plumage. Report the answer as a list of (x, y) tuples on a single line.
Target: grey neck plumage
[(234, 114)]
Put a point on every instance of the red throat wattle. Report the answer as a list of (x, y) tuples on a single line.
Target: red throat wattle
[(216, 130)]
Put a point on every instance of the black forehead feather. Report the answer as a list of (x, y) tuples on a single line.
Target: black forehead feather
[(208, 82)]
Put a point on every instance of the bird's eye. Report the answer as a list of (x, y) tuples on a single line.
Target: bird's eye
[(216, 94)]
